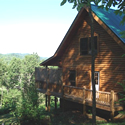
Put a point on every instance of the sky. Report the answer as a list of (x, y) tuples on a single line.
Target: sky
[(34, 26)]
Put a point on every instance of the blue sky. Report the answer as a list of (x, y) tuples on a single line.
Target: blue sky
[(28, 26)]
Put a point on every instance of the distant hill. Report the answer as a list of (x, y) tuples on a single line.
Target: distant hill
[(9, 56)]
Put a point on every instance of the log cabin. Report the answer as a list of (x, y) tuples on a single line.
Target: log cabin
[(72, 80)]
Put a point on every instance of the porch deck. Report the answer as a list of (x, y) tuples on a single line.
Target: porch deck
[(104, 100), (49, 82)]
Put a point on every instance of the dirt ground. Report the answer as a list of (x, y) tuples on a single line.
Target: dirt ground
[(77, 118)]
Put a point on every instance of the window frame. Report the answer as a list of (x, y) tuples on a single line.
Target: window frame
[(89, 46), (71, 81)]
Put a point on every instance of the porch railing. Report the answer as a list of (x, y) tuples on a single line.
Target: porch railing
[(101, 97)]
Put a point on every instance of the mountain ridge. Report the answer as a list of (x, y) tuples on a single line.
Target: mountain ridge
[(9, 56)]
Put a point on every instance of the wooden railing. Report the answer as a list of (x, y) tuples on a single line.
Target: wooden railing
[(73, 91), (55, 88), (41, 85), (101, 97), (88, 94), (78, 92), (50, 87)]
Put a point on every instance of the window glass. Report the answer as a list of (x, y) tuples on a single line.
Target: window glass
[(85, 45), (72, 77), (96, 78)]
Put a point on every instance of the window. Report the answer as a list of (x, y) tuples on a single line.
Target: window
[(85, 45), (72, 77), (96, 78)]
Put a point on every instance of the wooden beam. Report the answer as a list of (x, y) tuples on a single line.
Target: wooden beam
[(84, 106), (112, 105), (47, 78), (55, 103), (46, 102), (49, 103), (60, 103)]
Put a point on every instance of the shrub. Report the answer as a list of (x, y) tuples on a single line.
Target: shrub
[(27, 109)]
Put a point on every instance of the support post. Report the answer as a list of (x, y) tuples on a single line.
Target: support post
[(63, 104), (47, 79), (60, 103), (46, 102), (55, 103), (84, 106), (112, 105), (49, 102)]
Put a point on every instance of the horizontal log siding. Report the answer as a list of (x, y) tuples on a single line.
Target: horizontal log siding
[(108, 60)]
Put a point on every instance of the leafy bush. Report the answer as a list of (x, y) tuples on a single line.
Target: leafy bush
[(9, 100), (4, 110), (27, 109), (122, 94)]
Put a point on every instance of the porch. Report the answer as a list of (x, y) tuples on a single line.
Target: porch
[(104, 100), (50, 87)]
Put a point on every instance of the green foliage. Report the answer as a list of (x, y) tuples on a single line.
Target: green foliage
[(123, 34), (9, 100), (122, 100), (78, 4), (63, 2), (18, 94), (119, 4), (8, 57), (14, 72), (27, 109), (3, 72)]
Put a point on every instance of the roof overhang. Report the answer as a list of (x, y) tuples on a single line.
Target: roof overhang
[(54, 60)]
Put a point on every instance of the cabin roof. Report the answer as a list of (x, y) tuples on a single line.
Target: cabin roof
[(110, 21)]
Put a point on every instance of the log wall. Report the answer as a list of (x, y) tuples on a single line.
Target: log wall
[(109, 61)]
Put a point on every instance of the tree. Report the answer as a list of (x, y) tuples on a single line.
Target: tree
[(3, 77), (14, 72), (119, 4), (28, 79), (3, 72), (120, 9), (27, 109), (29, 63), (104, 3), (123, 34)]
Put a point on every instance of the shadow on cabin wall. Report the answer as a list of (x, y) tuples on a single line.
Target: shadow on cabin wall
[(108, 61)]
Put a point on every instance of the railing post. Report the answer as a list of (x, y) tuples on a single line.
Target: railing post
[(55, 102), (112, 105), (63, 105), (84, 106), (46, 103), (47, 79)]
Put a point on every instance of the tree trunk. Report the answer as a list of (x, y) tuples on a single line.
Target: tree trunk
[(93, 68)]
